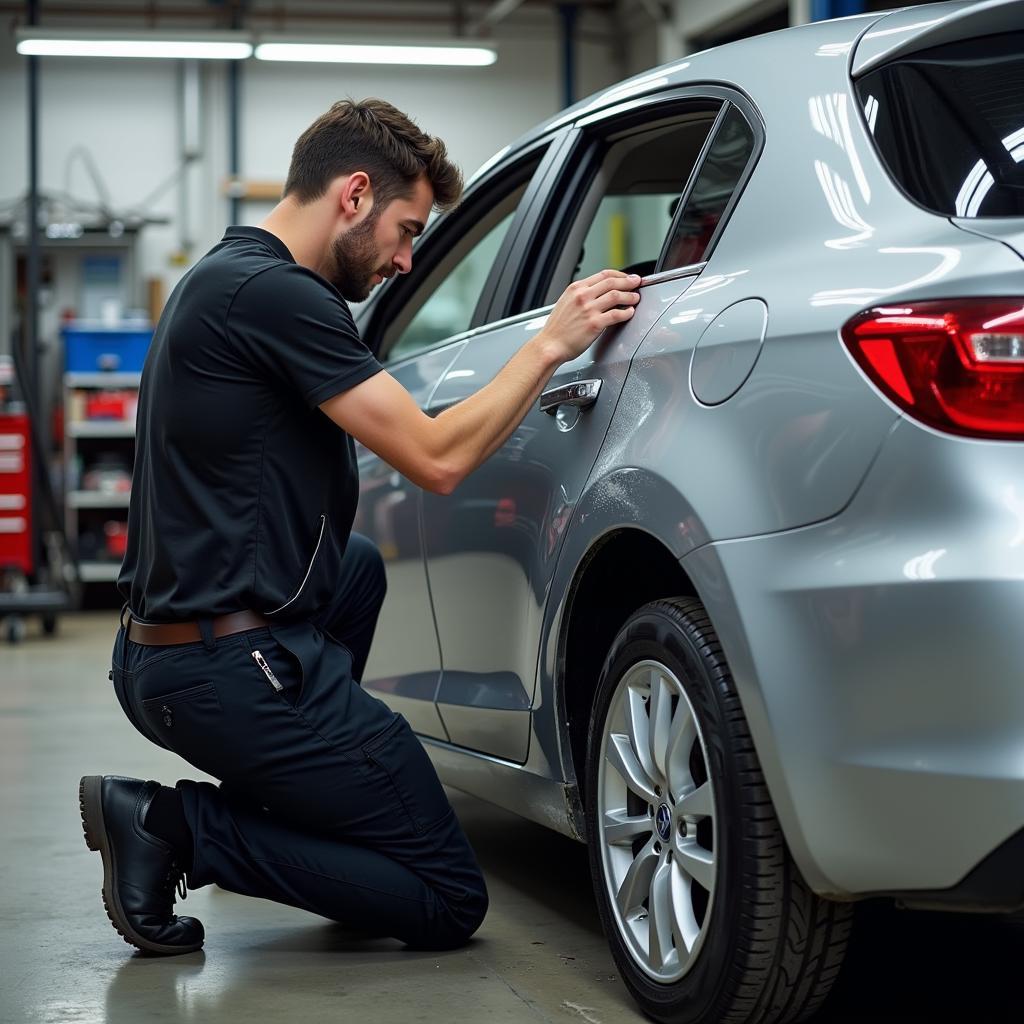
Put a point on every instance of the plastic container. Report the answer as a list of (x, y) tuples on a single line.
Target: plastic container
[(92, 348)]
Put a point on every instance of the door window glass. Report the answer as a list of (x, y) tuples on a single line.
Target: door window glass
[(443, 305), (626, 213), (708, 199)]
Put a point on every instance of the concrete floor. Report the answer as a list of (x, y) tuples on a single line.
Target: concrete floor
[(540, 955)]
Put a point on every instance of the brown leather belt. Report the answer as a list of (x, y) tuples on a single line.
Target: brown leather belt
[(163, 633)]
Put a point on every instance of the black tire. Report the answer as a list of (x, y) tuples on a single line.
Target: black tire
[(49, 624), (771, 949)]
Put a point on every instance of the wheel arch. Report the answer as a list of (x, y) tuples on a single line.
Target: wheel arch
[(623, 570)]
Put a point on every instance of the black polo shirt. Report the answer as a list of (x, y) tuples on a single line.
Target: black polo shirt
[(244, 492)]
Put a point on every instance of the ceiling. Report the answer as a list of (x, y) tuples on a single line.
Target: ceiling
[(468, 18)]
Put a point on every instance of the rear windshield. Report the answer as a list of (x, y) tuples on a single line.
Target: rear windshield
[(949, 125)]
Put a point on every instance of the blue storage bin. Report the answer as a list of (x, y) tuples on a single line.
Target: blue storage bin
[(90, 349)]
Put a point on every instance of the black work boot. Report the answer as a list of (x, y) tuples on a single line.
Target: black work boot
[(140, 872)]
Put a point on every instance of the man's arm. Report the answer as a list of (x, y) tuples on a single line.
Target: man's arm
[(438, 453)]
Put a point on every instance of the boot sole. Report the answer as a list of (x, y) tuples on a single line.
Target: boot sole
[(90, 804)]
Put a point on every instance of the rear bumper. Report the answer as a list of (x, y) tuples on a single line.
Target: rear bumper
[(996, 885), (879, 659)]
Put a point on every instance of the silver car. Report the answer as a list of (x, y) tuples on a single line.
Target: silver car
[(740, 601)]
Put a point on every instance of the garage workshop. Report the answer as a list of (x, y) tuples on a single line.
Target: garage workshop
[(511, 510)]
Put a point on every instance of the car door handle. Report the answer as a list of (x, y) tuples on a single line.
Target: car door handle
[(581, 393)]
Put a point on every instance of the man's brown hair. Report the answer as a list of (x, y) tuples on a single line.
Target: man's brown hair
[(375, 137)]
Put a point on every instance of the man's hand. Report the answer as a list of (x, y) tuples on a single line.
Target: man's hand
[(588, 307)]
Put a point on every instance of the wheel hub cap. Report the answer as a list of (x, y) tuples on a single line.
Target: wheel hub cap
[(664, 822)]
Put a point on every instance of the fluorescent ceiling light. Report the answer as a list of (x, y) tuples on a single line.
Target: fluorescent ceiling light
[(134, 48), (355, 53), (181, 46), (238, 45)]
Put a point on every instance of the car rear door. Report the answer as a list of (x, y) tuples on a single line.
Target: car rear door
[(491, 546), (417, 326)]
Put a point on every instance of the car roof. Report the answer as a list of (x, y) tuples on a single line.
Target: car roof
[(916, 28), (725, 64)]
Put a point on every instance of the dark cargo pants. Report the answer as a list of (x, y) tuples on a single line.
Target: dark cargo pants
[(327, 800)]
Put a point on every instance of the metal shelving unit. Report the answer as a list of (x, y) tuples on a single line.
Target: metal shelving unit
[(82, 434), (98, 572), (96, 499), (100, 429)]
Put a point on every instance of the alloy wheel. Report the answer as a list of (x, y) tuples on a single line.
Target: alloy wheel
[(657, 821)]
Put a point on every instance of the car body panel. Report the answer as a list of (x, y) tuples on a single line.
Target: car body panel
[(1008, 230), (918, 28), (404, 672), (878, 660), (892, 762), (491, 546)]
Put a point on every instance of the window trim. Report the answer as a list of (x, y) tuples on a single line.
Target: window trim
[(757, 129), (577, 174), (529, 262), (598, 173), (401, 289), (684, 196), (538, 197), (690, 270)]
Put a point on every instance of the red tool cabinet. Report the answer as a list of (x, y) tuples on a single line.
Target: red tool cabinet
[(15, 495)]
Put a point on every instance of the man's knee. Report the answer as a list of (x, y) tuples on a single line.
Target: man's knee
[(467, 901), (470, 915), (459, 921)]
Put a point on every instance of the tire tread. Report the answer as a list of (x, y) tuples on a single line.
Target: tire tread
[(791, 942)]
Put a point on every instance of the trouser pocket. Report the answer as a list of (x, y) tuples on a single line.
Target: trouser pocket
[(176, 695), (201, 701), (220, 711), (187, 721), (283, 661), (397, 764)]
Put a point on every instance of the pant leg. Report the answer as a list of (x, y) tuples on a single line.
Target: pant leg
[(423, 888), (351, 618), (330, 804)]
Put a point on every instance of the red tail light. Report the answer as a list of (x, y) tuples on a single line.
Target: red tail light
[(956, 365)]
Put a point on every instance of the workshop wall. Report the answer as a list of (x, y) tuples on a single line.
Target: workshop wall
[(126, 114)]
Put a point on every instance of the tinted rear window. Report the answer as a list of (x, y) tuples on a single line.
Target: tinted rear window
[(949, 125)]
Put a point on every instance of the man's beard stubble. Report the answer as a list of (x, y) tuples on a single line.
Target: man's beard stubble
[(356, 260)]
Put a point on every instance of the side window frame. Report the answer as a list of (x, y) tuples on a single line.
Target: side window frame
[(531, 260), (525, 265), (753, 119), (437, 241)]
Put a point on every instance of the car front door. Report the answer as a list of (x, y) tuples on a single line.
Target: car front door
[(491, 546), (417, 326)]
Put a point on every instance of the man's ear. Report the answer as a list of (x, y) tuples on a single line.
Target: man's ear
[(356, 196)]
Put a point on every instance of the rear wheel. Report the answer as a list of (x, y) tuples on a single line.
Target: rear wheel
[(707, 916)]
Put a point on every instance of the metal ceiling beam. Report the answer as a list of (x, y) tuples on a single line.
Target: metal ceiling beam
[(499, 11)]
